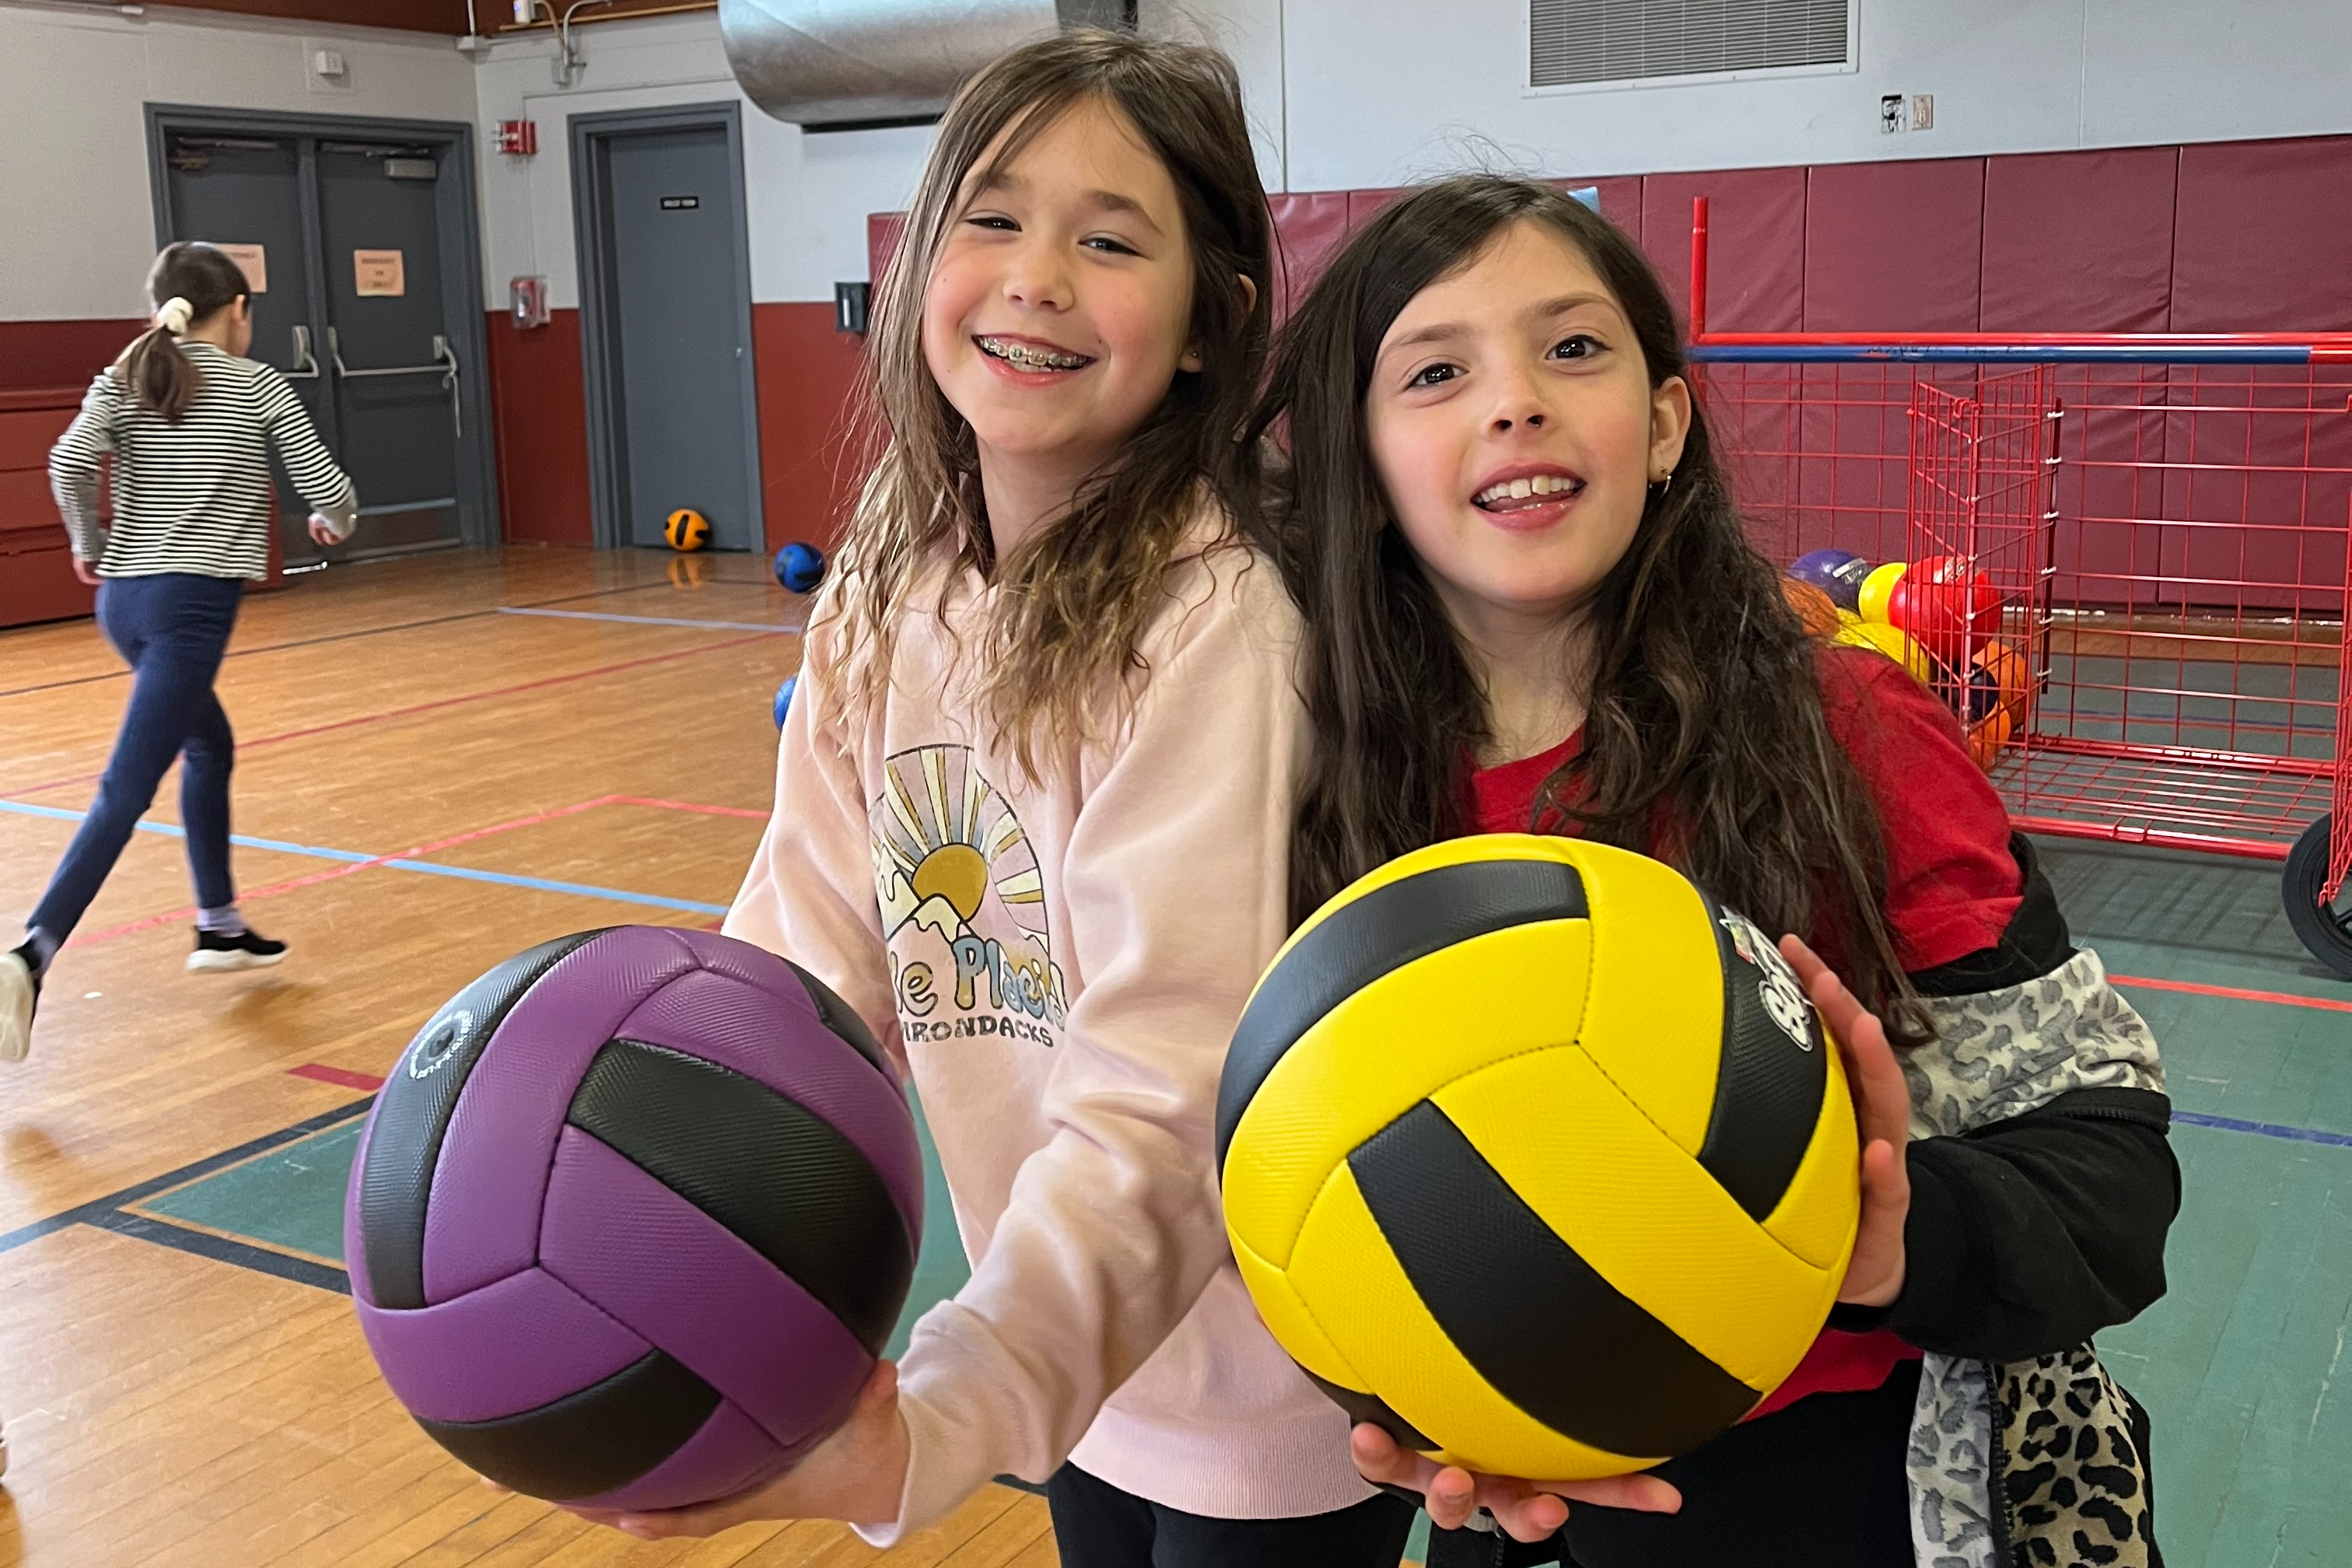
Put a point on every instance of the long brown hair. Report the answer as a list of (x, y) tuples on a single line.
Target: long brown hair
[(153, 365), (1075, 597), (1705, 742)]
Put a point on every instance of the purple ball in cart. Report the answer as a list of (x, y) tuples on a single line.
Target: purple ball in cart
[(633, 1217), (1837, 573)]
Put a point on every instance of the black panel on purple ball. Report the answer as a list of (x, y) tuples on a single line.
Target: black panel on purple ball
[(412, 1113), (782, 1180), (843, 1020), (588, 1443)]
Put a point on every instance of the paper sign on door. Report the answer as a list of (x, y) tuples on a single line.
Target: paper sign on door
[(253, 261), (379, 274)]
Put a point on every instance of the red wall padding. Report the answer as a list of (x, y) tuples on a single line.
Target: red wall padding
[(1893, 248), (36, 578), (45, 354), (1310, 228), (2260, 236), (2079, 242), (1756, 235), (540, 409), (814, 453)]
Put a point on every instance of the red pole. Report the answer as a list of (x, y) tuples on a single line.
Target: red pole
[(1698, 269)]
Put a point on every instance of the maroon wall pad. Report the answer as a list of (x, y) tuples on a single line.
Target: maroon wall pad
[(1308, 229), (2079, 242), (1621, 199), (1756, 240), (2258, 237), (1893, 248)]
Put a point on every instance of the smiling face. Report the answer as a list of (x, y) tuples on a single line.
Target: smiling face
[(1514, 431), (1059, 307)]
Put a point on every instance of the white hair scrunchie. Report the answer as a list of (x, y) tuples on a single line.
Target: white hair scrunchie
[(174, 315)]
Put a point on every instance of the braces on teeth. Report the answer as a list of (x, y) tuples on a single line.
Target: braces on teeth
[(1029, 358)]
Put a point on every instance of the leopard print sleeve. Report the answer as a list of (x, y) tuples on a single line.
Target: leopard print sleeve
[(1999, 1054)]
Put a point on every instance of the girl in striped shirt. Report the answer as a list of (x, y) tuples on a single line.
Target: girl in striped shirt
[(190, 425)]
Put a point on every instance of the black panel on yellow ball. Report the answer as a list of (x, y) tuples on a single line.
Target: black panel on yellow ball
[(1350, 944), (1632, 1386), (1537, 1157), (1767, 1096)]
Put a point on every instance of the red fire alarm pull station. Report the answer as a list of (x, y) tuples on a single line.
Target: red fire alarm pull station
[(528, 296), (517, 137)]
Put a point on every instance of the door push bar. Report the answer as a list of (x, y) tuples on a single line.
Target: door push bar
[(445, 365), (304, 367)]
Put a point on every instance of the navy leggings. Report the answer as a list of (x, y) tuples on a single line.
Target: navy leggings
[(172, 629)]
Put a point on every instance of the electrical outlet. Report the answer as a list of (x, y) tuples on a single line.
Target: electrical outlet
[(1890, 117), (1922, 111)]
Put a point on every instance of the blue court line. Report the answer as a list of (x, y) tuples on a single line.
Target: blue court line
[(2265, 1128), (544, 885), (656, 621), (427, 867)]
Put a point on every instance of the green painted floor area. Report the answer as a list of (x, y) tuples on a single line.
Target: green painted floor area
[(2237, 1364), (940, 1267), (289, 1200), (2254, 1443)]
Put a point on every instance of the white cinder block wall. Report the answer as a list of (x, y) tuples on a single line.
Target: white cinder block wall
[(1342, 93), (77, 220)]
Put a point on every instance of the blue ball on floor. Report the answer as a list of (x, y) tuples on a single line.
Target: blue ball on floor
[(784, 698), (800, 567)]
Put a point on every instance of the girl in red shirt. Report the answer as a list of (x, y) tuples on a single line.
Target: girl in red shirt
[(1531, 606)]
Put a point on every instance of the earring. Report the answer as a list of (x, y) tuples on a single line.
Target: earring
[(1664, 485)]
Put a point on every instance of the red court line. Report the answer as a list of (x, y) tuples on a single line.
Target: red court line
[(690, 805), (2282, 998), (441, 702), (341, 1078), (313, 879)]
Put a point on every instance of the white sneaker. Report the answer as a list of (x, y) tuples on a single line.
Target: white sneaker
[(20, 992)]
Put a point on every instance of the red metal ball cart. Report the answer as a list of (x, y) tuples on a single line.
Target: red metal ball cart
[(2164, 523)]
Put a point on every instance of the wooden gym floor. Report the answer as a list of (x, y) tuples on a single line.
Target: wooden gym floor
[(445, 759)]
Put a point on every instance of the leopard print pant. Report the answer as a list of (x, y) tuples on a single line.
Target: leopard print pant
[(2075, 1477)]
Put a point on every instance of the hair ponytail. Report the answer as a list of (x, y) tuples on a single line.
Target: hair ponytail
[(189, 282)]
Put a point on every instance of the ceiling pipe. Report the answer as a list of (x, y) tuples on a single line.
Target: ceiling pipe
[(836, 63)]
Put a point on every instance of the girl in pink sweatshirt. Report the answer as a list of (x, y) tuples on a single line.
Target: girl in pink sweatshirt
[(1033, 808)]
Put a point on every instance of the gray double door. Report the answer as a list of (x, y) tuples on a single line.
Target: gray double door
[(665, 302), (359, 304)]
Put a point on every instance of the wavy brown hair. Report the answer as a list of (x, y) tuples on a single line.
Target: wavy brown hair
[(1074, 599), (1705, 742)]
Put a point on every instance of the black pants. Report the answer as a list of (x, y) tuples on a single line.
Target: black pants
[(1098, 1526), (1819, 1485)]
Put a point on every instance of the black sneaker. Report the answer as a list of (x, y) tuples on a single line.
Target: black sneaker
[(247, 950), (20, 992)]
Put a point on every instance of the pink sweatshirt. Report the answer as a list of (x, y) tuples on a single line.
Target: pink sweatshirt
[(1060, 966)]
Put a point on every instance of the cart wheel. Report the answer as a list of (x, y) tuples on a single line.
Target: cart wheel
[(2326, 930)]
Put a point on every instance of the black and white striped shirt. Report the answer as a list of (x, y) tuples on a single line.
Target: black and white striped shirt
[(196, 496)]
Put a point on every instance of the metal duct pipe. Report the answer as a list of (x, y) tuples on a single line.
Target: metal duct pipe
[(825, 62)]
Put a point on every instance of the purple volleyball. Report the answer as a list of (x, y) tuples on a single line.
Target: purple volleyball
[(633, 1217), (1837, 573)]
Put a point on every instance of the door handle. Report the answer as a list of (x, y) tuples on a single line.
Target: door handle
[(304, 367), (444, 365)]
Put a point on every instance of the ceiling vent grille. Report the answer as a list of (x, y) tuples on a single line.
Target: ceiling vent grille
[(1577, 42)]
